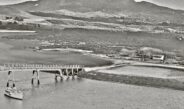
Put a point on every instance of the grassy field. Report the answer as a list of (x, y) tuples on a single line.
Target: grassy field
[(166, 41), (19, 51), (137, 78), (16, 47)]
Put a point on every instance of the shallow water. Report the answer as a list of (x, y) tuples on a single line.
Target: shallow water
[(87, 94)]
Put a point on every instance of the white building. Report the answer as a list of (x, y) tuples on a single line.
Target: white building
[(158, 57)]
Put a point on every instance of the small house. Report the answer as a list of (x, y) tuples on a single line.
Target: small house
[(158, 57)]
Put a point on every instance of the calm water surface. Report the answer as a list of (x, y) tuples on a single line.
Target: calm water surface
[(87, 94)]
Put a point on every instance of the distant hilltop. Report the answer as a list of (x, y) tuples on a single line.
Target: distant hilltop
[(143, 10)]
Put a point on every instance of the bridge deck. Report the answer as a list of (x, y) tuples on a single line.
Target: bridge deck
[(40, 67)]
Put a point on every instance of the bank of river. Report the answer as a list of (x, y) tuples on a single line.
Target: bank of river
[(138, 75), (68, 50)]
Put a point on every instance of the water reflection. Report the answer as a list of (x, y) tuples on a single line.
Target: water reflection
[(79, 93), (12, 103)]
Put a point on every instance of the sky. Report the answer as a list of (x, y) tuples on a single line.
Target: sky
[(175, 4)]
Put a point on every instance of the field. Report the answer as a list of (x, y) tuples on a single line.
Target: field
[(20, 51), (143, 76), (165, 41), (18, 47)]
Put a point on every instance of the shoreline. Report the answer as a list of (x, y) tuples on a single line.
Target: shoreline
[(176, 83), (115, 62), (67, 49), (165, 66), (95, 73), (135, 80)]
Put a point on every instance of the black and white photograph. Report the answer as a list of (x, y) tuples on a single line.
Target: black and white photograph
[(91, 54)]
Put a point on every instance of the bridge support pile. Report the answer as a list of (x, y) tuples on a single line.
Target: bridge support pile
[(58, 70)]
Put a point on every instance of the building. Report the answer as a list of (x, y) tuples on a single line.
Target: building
[(160, 58)]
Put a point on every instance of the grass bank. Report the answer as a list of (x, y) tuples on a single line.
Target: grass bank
[(135, 80)]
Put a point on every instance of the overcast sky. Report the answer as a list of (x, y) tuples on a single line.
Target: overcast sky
[(176, 4)]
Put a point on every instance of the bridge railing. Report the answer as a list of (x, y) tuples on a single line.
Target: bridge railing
[(39, 66)]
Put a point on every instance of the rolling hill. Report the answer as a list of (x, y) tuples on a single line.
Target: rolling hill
[(143, 10), (125, 21)]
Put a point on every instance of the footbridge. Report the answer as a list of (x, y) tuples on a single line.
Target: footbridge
[(56, 69)]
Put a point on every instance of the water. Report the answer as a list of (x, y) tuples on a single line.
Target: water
[(87, 94)]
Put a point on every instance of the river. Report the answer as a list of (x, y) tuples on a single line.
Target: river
[(77, 93), (87, 94)]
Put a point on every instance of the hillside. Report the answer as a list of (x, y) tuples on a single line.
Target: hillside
[(113, 15), (102, 23), (131, 8), (104, 14)]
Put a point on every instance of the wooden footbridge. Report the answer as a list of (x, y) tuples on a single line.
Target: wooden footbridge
[(58, 70)]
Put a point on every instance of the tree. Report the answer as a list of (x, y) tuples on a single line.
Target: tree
[(18, 18)]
